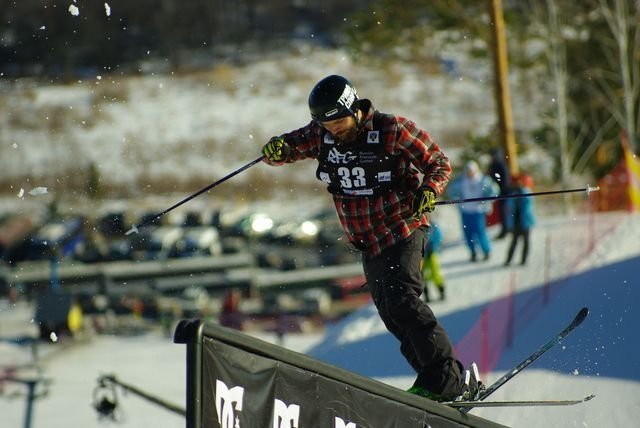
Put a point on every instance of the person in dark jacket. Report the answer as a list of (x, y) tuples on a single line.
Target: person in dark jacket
[(499, 172), (520, 217), (384, 174)]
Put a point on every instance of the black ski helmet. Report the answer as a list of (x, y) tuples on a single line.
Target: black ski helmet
[(332, 98)]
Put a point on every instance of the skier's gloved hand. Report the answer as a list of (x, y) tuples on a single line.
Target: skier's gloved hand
[(423, 202), (276, 150)]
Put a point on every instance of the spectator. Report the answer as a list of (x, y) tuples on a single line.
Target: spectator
[(231, 316), (431, 262), (499, 172), (474, 184), (520, 217)]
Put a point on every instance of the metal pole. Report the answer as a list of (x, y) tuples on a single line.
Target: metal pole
[(54, 280), (31, 385), (147, 396), (587, 189), (134, 228), (31, 396)]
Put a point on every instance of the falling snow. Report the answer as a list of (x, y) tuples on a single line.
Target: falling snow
[(134, 229), (36, 191), (73, 10)]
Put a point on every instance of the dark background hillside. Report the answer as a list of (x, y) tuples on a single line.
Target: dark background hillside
[(581, 59), (43, 37)]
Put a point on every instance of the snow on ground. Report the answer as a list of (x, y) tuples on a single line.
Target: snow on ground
[(135, 128), (584, 260), (177, 127)]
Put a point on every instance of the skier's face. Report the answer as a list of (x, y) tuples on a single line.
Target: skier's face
[(343, 129)]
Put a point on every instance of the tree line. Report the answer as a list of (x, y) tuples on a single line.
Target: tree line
[(584, 57), (60, 38)]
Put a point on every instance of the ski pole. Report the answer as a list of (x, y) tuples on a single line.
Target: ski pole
[(587, 189), (134, 228)]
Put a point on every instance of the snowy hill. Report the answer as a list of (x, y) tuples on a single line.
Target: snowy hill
[(590, 261), (179, 128), (172, 132), (583, 260)]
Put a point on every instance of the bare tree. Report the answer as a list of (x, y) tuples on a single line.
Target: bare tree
[(605, 38), (623, 20), (549, 23)]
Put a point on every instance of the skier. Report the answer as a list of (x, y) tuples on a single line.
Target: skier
[(371, 163)]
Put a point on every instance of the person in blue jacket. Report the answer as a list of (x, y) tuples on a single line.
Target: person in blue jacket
[(474, 184), (520, 217)]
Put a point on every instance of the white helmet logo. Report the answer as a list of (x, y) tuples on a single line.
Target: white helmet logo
[(348, 96)]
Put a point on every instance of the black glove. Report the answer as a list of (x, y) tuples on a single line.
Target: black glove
[(276, 150), (423, 202)]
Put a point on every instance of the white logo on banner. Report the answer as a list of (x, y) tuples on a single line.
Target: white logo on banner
[(285, 417), (342, 424), (228, 402)]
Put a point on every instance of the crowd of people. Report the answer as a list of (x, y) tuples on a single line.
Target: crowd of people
[(514, 216)]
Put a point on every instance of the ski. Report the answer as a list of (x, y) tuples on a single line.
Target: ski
[(524, 403), (577, 320)]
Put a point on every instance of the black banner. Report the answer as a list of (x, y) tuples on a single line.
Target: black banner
[(260, 392), (235, 381)]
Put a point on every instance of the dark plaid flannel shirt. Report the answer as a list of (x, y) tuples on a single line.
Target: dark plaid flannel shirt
[(375, 223)]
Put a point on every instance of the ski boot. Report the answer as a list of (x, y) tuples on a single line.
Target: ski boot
[(473, 385)]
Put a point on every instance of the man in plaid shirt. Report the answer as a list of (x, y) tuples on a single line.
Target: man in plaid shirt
[(384, 174)]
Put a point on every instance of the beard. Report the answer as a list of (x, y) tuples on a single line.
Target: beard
[(346, 137)]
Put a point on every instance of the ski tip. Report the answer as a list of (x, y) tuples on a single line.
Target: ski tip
[(589, 397), (582, 314), (580, 317)]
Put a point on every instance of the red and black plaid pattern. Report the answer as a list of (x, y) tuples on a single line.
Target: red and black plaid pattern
[(373, 223)]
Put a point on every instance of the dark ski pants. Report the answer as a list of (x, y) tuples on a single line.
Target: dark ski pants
[(517, 234), (395, 281)]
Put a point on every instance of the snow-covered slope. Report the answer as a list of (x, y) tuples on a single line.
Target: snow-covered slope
[(588, 260), (584, 260), (176, 128)]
